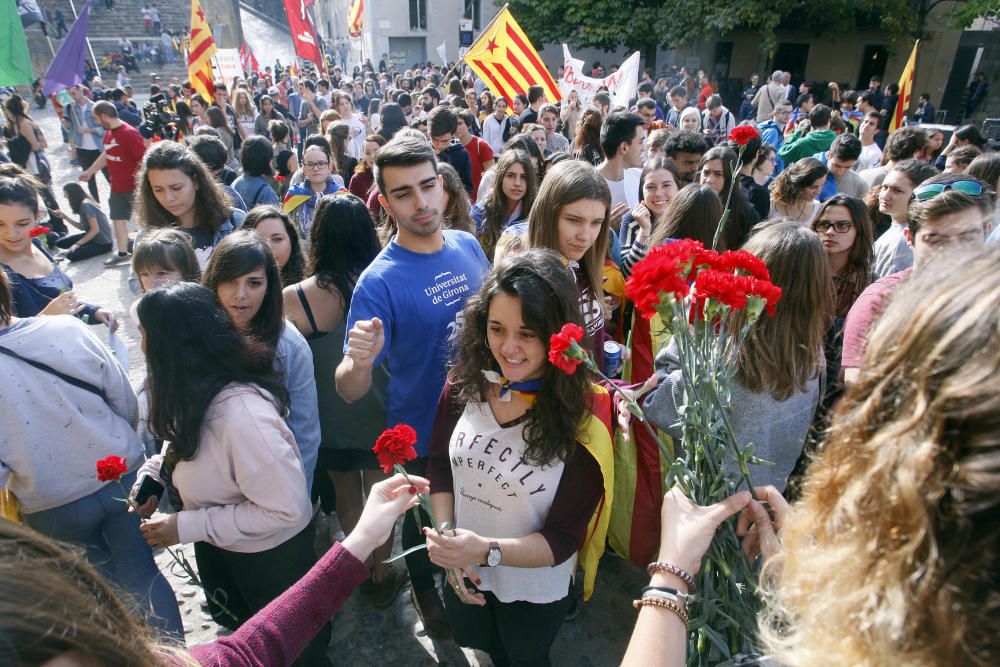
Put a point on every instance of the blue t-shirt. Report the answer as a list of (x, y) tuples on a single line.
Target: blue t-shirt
[(419, 298)]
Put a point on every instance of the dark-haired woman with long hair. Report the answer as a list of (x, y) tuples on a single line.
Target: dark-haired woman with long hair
[(96, 237), (286, 162), (230, 467), (659, 183), (38, 286), (177, 190), (393, 120), (342, 243), (281, 237), (587, 143), (244, 275), (518, 459), (716, 171), (509, 201)]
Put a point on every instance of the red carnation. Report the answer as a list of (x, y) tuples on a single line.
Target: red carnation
[(726, 288), (40, 230), (395, 446), (662, 273), (561, 348), (743, 134), (111, 468), (741, 260), (767, 291)]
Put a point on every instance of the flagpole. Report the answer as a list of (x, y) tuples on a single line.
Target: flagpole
[(93, 58)]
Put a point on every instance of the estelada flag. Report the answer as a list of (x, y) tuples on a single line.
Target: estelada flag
[(905, 90), (355, 23), (504, 57), (303, 34), (200, 52)]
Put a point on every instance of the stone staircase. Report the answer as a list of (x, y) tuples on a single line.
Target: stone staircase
[(106, 27)]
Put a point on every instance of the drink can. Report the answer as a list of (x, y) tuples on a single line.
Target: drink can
[(612, 358)]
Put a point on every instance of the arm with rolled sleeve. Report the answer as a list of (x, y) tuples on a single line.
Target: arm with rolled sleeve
[(268, 473)]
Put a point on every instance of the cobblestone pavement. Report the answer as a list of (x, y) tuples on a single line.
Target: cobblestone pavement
[(362, 635)]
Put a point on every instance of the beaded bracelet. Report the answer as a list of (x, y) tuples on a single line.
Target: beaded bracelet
[(660, 566), (663, 604)]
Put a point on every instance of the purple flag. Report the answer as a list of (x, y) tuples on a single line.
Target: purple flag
[(67, 67)]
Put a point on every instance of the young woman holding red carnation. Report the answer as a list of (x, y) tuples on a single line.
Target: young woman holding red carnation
[(517, 465), (779, 365), (230, 466), (54, 406)]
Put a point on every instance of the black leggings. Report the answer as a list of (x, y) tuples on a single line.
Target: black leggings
[(86, 251), (247, 582), (513, 633)]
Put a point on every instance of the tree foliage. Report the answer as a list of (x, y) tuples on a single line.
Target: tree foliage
[(648, 25)]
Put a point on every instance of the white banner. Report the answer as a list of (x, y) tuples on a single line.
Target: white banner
[(621, 85), (227, 63)]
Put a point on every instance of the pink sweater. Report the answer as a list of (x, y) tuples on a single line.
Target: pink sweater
[(278, 633)]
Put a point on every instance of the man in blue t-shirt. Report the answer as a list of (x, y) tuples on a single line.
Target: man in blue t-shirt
[(407, 310)]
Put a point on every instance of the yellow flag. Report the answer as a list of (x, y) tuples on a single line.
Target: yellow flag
[(504, 58), (200, 52), (905, 90)]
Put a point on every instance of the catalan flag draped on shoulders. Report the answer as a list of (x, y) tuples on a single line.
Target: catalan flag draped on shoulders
[(300, 201), (505, 59), (200, 52)]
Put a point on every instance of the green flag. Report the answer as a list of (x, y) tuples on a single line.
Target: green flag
[(15, 63)]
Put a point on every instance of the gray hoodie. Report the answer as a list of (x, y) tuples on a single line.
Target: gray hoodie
[(777, 428), (53, 433)]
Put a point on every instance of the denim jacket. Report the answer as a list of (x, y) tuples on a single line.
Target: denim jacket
[(89, 121), (294, 360)]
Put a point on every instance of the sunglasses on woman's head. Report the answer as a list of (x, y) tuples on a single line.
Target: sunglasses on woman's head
[(932, 190)]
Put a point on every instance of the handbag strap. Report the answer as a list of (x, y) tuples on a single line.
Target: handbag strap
[(82, 384)]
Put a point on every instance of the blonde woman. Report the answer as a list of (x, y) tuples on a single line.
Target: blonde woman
[(901, 502), (246, 113)]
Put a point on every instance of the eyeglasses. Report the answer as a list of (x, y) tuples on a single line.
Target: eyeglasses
[(839, 226), (932, 190), (315, 165)]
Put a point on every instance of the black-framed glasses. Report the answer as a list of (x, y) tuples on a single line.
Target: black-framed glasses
[(932, 190), (839, 226), (315, 165)]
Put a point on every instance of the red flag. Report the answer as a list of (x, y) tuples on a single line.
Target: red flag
[(303, 34), (247, 59)]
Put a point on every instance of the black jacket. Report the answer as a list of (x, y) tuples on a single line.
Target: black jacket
[(456, 155)]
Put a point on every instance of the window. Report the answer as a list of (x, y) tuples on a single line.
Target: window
[(474, 11), (418, 14)]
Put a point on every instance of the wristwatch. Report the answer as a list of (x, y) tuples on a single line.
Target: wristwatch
[(494, 556)]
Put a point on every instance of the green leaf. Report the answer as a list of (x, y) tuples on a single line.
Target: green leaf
[(406, 553)]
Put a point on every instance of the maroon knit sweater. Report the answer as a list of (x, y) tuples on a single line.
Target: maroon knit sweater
[(278, 633)]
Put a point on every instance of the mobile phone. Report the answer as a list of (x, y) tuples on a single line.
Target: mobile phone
[(148, 488)]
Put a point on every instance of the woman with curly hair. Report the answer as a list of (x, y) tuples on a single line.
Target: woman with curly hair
[(587, 144), (515, 465), (794, 191), (509, 201)]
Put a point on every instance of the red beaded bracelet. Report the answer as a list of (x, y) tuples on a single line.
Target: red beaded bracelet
[(660, 566)]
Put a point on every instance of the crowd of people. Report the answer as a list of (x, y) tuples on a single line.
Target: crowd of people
[(315, 259)]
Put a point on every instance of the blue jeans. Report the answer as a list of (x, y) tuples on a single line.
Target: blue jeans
[(101, 523)]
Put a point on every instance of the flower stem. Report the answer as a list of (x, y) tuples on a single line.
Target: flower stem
[(734, 176)]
